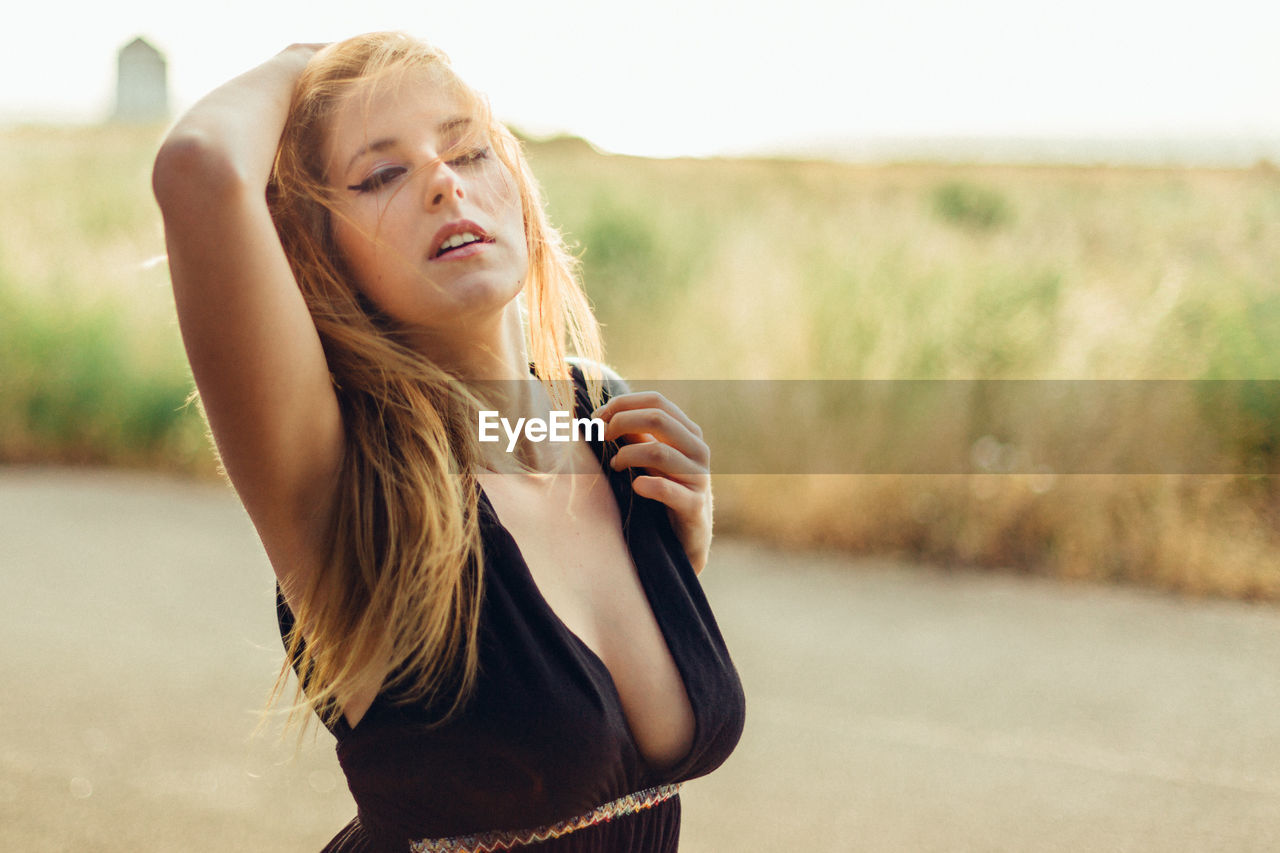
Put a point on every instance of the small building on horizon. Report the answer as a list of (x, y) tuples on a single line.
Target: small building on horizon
[(142, 84)]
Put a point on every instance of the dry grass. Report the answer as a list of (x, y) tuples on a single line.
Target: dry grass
[(763, 270), (750, 270)]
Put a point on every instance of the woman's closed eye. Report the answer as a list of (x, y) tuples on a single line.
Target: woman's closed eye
[(378, 179), (469, 157), (387, 174)]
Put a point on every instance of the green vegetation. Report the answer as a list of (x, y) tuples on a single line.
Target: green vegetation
[(970, 205), (77, 388), (741, 269), (92, 365)]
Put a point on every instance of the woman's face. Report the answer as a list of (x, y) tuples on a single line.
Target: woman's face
[(427, 217)]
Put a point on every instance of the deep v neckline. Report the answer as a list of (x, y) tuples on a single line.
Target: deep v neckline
[(591, 655)]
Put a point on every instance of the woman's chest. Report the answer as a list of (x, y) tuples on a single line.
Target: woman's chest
[(551, 729), (567, 554)]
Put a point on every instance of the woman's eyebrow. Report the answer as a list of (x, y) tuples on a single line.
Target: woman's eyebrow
[(377, 145), (449, 125), (453, 130)]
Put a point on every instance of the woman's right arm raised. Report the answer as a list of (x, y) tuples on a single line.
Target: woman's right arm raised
[(254, 351)]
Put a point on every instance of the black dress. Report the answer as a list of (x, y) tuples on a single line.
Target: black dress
[(541, 754)]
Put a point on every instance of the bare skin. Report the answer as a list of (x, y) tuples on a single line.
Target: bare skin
[(262, 375)]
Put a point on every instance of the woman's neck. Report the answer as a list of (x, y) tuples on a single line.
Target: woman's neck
[(495, 361)]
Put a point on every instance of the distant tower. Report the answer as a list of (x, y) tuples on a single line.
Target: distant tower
[(142, 85)]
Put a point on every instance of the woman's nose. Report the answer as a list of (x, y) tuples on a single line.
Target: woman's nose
[(443, 185)]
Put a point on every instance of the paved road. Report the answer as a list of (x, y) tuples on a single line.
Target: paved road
[(890, 708)]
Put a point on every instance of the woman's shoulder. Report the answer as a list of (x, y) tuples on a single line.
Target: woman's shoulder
[(585, 368)]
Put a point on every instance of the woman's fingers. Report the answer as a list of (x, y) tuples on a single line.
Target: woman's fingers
[(669, 426), (644, 426), (655, 455), (667, 446), (689, 510), (680, 498), (646, 400)]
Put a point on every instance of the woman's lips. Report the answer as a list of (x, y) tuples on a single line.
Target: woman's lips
[(454, 229), (468, 251)]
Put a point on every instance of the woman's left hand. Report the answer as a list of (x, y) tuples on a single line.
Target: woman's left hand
[(665, 444)]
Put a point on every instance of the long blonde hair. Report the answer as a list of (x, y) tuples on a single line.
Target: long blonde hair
[(401, 588)]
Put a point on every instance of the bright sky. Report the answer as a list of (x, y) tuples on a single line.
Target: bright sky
[(666, 77)]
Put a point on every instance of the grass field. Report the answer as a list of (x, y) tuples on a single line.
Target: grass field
[(763, 270)]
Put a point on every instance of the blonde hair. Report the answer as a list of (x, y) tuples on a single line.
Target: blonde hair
[(402, 584)]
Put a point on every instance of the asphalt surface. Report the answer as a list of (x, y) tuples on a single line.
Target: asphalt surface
[(890, 707)]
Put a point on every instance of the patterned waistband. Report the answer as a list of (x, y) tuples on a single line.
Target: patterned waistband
[(488, 842)]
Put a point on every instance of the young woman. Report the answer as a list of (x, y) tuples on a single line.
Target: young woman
[(507, 639)]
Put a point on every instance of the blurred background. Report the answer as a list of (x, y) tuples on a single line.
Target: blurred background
[(918, 190)]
